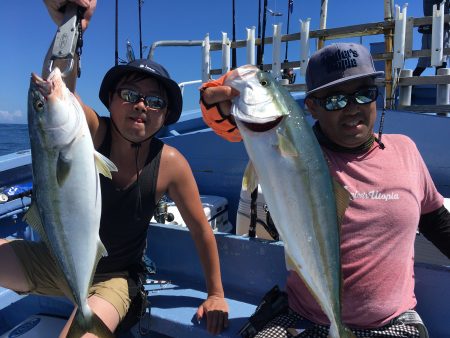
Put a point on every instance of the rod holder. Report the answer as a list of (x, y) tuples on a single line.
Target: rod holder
[(206, 61), (226, 46), (276, 51), (304, 45), (399, 37), (404, 92), (443, 90), (437, 36), (251, 60)]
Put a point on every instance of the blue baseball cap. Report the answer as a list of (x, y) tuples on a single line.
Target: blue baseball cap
[(338, 63), (153, 70)]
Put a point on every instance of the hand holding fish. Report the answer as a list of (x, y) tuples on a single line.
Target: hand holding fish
[(221, 95), (54, 9), (216, 310), (215, 104)]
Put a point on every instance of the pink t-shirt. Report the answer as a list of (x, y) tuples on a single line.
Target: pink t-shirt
[(390, 189)]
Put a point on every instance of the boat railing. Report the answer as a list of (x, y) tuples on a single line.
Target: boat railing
[(399, 31)]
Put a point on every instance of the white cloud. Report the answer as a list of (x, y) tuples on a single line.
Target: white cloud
[(12, 117)]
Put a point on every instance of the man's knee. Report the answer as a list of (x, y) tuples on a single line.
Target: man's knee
[(105, 311)]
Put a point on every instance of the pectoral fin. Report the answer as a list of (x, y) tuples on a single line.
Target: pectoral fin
[(104, 165), (286, 147), (101, 250), (63, 166)]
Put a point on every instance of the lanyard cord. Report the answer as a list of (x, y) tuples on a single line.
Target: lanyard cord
[(137, 147)]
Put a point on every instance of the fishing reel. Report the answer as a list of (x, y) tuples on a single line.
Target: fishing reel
[(161, 214), (289, 74)]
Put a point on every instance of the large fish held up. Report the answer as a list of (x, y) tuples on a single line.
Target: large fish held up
[(66, 204), (304, 202)]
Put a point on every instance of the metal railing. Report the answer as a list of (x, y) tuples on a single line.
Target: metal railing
[(399, 30)]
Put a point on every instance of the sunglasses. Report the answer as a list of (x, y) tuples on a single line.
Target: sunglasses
[(340, 101), (150, 101)]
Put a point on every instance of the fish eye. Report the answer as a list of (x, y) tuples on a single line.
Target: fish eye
[(264, 83), (38, 105)]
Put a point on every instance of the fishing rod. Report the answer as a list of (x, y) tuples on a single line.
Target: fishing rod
[(288, 73), (261, 54), (116, 51), (140, 3), (233, 55), (290, 9), (258, 50)]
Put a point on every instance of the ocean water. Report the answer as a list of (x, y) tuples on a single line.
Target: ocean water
[(13, 137)]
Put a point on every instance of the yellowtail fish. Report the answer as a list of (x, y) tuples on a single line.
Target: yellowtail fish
[(66, 191), (286, 159)]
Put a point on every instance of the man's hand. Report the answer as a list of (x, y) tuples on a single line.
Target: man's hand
[(54, 6), (221, 95), (216, 310)]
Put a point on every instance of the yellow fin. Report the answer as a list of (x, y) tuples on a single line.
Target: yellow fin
[(285, 146), (342, 197), (250, 179), (104, 165), (33, 218)]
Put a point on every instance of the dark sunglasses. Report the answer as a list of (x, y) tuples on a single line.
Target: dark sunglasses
[(150, 101), (340, 101)]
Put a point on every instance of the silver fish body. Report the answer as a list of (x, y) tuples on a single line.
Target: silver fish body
[(295, 180), (66, 206)]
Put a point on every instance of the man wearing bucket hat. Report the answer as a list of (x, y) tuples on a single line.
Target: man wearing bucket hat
[(392, 195), (141, 98)]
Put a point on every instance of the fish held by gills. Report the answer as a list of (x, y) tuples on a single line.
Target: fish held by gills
[(66, 191), (304, 202)]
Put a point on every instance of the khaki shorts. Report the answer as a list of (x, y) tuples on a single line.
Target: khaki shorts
[(44, 278)]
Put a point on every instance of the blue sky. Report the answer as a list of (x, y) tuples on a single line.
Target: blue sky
[(27, 32)]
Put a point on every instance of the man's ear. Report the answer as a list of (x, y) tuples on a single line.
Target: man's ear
[(110, 98), (311, 106)]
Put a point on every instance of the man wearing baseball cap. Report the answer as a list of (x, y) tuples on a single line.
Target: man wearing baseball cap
[(392, 195), (141, 99)]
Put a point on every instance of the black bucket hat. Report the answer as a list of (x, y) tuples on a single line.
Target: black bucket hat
[(338, 63), (152, 69)]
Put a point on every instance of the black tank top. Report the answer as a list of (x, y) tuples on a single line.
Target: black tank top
[(124, 221)]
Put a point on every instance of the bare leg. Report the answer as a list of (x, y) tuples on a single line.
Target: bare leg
[(12, 275), (105, 310)]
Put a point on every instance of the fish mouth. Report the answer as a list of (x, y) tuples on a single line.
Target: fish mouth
[(45, 88), (262, 127)]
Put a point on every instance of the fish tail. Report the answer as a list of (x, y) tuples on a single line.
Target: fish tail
[(82, 325), (340, 331)]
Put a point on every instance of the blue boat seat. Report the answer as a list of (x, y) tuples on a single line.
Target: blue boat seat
[(181, 289)]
